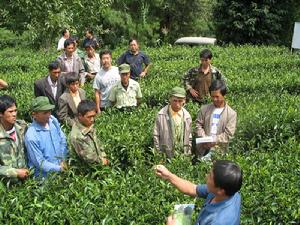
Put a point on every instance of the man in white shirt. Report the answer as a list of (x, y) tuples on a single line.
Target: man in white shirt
[(105, 80), (65, 36), (216, 120)]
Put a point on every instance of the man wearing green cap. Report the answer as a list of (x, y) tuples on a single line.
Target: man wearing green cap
[(44, 140), (173, 126), (126, 93)]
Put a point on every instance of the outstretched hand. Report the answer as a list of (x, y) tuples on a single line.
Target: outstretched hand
[(162, 172)]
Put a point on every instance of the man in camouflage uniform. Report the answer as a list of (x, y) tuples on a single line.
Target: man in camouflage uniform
[(198, 79), (12, 157), (83, 134)]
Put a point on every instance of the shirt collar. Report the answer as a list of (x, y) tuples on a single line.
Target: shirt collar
[(65, 56), (51, 82), (179, 113), (84, 130)]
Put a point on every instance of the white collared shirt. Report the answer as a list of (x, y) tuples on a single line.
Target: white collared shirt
[(53, 86)]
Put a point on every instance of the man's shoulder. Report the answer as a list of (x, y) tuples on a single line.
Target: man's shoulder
[(229, 211), (134, 83), (163, 110), (75, 133), (193, 70), (230, 110), (41, 81), (207, 107), (186, 114), (21, 125)]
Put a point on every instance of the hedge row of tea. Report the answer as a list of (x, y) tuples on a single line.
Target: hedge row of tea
[(264, 85)]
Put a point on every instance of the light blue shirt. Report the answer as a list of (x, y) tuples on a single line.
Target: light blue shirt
[(226, 212), (46, 147)]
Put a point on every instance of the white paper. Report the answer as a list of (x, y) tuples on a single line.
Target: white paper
[(207, 139)]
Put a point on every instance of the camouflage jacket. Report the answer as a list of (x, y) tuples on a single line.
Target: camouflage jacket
[(197, 80), (12, 156), (84, 141)]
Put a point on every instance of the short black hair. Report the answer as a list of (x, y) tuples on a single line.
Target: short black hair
[(64, 31), (6, 102), (70, 78), (53, 65), (206, 54), (89, 30), (69, 41), (105, 52), (90, 43), (228, 176), (86, 106), (75, 39), (218, 85), (131, 40)]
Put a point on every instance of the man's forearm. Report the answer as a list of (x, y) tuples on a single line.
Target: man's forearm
[(98, 99), (183, 185)]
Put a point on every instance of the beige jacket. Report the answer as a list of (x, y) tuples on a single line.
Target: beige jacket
[(162, 133), (226, 127)]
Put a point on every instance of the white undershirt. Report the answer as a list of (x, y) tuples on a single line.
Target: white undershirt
[(215, 121)]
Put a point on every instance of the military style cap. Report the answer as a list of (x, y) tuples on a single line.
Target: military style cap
[(124, 68), (41, 103), (178, 92)]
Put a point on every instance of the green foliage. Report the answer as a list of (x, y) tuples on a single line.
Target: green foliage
[(264, 90), (115, 21), (44, 20), (256, 22)]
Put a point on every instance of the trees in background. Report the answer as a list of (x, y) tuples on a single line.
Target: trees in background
[(114, 21), (152, 22), (255, 22)]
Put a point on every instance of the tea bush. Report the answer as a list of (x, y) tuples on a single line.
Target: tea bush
[(264, 87)]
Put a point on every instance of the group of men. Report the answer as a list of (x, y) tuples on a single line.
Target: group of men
[(60, 95), (215, 126), (215, 123), (44, 141)]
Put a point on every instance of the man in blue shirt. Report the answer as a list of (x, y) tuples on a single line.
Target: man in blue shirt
[(44, 140), (223, 201), (135, 59)]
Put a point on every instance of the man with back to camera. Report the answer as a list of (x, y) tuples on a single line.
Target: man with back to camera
[(135, 58), (217, 120), (83, 135), (221, 191), (105, 79), (65, 36), (12, 150), (44, 140), (50, 86), (198, 79), (173, 126), (89, 37)]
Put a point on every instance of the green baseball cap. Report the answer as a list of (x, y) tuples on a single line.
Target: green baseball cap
[(41, 103), (178, 92), (124, 68)]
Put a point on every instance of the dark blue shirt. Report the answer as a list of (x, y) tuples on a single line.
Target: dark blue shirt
[(226, 212), (135, 61)]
